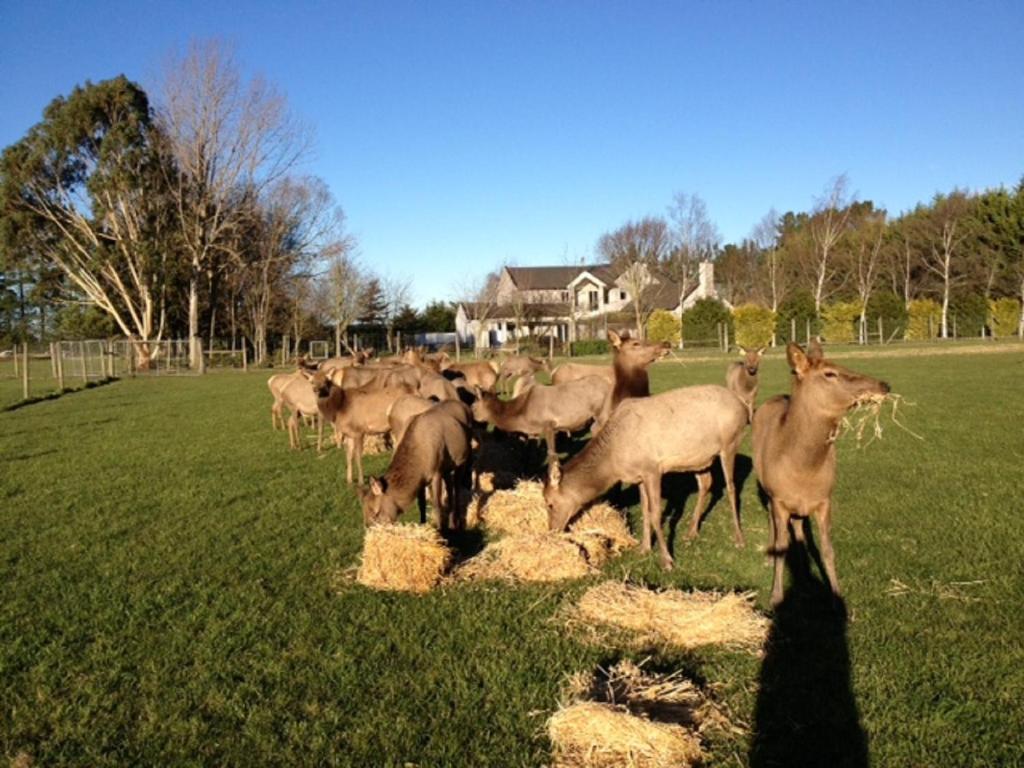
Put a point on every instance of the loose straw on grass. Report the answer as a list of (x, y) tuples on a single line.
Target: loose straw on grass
[(409, 558), (672, 618)]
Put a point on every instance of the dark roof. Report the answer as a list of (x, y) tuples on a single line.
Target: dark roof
[(553, 278), (531, 311), (664, 295)]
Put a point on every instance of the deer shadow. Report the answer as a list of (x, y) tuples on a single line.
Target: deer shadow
[(806, 713)]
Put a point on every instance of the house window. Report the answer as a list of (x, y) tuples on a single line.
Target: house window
[(592, 299), (565, 295), (622, 295), (605, 295)]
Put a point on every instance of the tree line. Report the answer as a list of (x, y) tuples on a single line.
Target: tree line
[(181, 216)]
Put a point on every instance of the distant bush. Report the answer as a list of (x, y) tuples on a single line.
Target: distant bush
[(663, 326), (893, 311), (1003, 317), (754, 325), (701, 321), (968, 313), (590, 347), (839, 321), (798, 306), (920, 313)]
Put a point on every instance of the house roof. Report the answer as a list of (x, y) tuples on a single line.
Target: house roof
[(553, 278), (531, 311), (663, 295)]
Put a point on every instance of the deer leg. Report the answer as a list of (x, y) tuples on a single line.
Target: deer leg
[(293, 431), (728, 461), (319, 433), (421, 502), (357, 449), (703, 491), (798, 524), (348, 460), (435, 499), (549, 437), (653, 483), (780, 516), (645, 545), (828, 555)]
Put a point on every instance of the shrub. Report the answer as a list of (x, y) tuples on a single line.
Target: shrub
[(700, 322), (919, 314), (798, 306), (663, 326), (969, 313), (839, 321), (590, 347), (891, 308), (754, 325), (1003, 316)]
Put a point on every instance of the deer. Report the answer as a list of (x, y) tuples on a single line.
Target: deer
[(543, 411), (567, 372), (631, 359), (295, 395), (795, 453), (682, 430), (480, 374), (435, 385), (434, 455), (517, 366), (354, 413), (276, 385), (401, 413), (741, 377)]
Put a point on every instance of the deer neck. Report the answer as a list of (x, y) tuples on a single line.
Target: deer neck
[(808, 433), (590, 473), (630, 381)]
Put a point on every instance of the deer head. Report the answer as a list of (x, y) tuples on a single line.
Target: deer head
[(829, 389), (561, 508), (636, 353), (751, 359), (378, 507), (320, 382)]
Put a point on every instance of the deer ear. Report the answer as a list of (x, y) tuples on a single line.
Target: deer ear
[(761, 350), (814, 351), (742, 350), (376, 488), (797, 359), (615, 339), (554, 473)]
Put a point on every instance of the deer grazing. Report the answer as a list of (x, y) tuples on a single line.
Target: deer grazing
[(682, 430), (741, 377), (354, 413), (543, 411), (290, 391), (434, 455), (795, 452), (631, 359)]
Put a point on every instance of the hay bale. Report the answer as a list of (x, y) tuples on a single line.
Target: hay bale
[(516, 511), (375, 444), (670, 617), (529, 557), (607, 521), (408, 558), (594, 735)]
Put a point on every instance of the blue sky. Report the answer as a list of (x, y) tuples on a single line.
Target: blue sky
[(458, 136)]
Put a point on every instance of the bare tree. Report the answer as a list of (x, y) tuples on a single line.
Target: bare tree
[(765, 236), (224, 136), (868, 249), (636, 251), (947, 230), (342, 293), (828, 224), (396, 292), (695, 238), (479, 299)]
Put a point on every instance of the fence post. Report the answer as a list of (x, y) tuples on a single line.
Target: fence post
[(53, 363), (199, 351), (24, 370), (60, 366), (725, 336), (792, 329), (458, 347), (954, 327), (551, 345), (245, 357), (929, 327), (81, 357), (808, 339), (881, 333), (17, 367)]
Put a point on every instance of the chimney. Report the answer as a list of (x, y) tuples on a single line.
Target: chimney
[(706, 280)]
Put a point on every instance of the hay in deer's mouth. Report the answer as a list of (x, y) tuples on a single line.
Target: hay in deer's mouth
[(408, 558), (866, 415), (645, 618)]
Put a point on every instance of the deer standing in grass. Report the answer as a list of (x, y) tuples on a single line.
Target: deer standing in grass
[(435, 455), (741, 377), (795, 452), (682, 430)]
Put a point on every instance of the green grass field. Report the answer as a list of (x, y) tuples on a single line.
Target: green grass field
[(170, 595)]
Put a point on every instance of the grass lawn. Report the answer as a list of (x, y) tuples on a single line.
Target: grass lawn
[(172, 592)]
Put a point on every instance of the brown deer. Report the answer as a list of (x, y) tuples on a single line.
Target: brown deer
[(543, 411), (354, 413), (519, 365), (682, 430), (795, 452), (479, 374), (276, 385), (630, 361), (402, 412), (567, 372), (435, 385), (741, 377), (434, 455)]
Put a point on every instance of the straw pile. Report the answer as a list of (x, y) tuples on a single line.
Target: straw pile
[(589, 734), (670, 618), (375, 444), (529, 557), (409, 558)]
